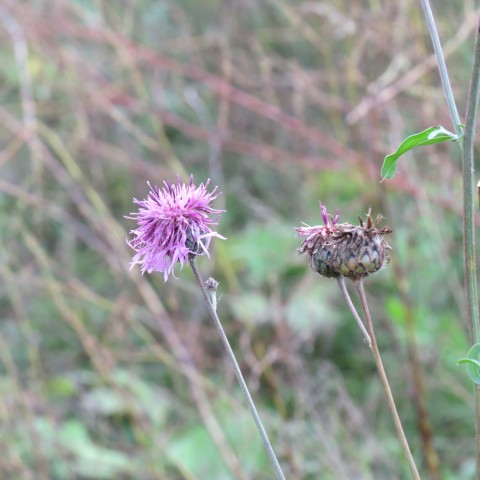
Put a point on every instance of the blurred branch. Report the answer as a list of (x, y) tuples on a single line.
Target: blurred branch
[(218, 85), (20, 48), (413, 75)]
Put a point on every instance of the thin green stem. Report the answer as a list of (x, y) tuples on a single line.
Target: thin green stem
[(469, 225), (469, 194), (386, 385), (468, 165), (236, 368), (442, 67)]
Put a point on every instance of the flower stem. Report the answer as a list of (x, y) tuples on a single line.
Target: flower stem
[(236, 368), (386, 385), (346, 296)]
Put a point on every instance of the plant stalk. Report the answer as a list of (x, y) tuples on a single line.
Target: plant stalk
[(469, 226), (468, 164), (442, 67), (236, 368), (468, 194), (346, 296), (386, 385)]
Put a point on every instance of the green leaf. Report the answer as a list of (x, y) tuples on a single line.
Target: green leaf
[(429, 136), (472, 362)]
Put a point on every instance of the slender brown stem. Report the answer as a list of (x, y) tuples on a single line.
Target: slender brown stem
[(386, 385)]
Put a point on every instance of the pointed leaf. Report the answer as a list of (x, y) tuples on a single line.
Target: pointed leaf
[(429, 136), (472, 362)]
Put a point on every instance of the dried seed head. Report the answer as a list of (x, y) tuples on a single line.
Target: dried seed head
[(344, 249)]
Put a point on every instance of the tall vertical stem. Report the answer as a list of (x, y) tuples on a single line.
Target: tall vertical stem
[(468, 192), (346, 296), (469, 226), (469, 195)]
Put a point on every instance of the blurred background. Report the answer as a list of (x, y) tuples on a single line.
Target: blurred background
[(282, 103)]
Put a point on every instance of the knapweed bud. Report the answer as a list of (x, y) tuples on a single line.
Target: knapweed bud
[(342, 249)]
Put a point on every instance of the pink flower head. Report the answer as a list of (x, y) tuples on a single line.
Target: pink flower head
[(322, 231), (173, 223)]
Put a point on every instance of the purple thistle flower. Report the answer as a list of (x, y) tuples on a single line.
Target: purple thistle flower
[(173, 223), (322, 230)]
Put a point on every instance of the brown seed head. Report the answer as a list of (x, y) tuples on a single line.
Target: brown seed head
[(344, 249)]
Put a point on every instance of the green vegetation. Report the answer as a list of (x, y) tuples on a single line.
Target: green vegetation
[(282, 104)]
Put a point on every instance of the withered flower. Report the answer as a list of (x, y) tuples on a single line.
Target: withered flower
[(342, 249)]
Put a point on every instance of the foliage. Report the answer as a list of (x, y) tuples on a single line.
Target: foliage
[(430, 136), (282, 104)]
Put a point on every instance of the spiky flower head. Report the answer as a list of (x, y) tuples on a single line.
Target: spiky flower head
[(173, 222), (342, 249)]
